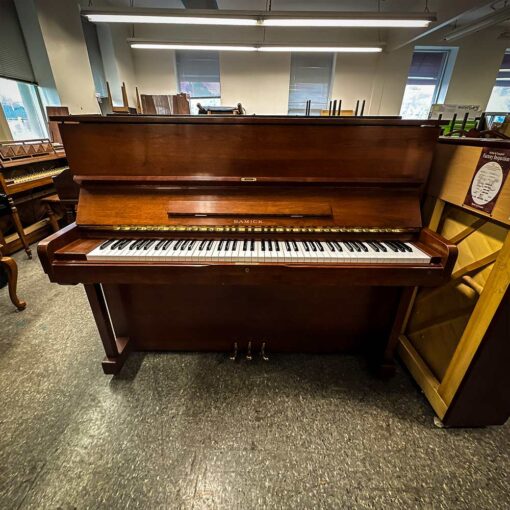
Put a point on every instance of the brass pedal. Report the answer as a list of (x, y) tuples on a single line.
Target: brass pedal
[(263, 354), (233, 356)]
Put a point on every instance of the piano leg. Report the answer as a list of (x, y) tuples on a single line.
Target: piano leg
[(116, 348), (19, 228), (385, 365), (11, 268)]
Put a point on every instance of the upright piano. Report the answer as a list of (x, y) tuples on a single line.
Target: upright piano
[(248, 234)]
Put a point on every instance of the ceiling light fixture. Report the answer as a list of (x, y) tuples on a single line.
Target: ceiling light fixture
[(210, 47), (233, 47), (490, 20), (170, 20), (260, 18), (358, 23)]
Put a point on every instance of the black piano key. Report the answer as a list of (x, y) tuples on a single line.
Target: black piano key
[(312, 245), (252, 245), (234, 245), (124, 243), (363, 246), (404, 246), (373, 246), (245, 244), (295, 245), (331, 246), (209, 244), (391, 246), (184, 244), (106, 244), (193, 242), (338, 246), (141, 245), (263, 245), (305, 244), (319, 245), (159, 244), (134, 245), (178, 244), (167, 244), (381, 246), (287, 245), (349, 246), (356, 246), (227, 245), (202, 244), (276, 246), (220, 245), (116, 243), (399, 248), (270, 245), (149, 244)]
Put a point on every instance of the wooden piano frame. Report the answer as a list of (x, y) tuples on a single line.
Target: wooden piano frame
[(247, 177)]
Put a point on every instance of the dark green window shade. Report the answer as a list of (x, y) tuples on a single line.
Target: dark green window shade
[(14, 61)]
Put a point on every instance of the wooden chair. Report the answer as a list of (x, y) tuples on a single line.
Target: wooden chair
[(11, 268)]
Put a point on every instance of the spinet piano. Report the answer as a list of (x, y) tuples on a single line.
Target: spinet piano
[(201, 233), (27, 169)]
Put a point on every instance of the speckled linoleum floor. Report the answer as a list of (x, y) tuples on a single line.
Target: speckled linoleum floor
[(198, 431)]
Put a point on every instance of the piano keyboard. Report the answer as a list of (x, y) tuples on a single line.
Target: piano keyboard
[(251, 251), (34, 176)]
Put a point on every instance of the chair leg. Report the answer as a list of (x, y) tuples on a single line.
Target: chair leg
[(53, 218), (19, 228), (9, 264)]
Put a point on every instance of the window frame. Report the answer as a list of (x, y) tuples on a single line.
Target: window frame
[(178, 75), (40, 111), (313, 111), (445, 73)]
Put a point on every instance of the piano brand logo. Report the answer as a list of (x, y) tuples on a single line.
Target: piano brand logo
[(249, 222)]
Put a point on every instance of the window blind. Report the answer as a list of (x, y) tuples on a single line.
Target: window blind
[(14, 61), (426, 67), (310, 78), (199, 73), (503, 79)]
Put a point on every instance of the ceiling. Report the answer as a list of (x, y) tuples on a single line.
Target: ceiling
[(451, 14)]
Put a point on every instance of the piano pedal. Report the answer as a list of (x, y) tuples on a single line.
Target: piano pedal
[(249, 356), (233, 356), (263, 354)]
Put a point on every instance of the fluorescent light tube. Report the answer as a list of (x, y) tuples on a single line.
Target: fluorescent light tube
[(323, 49), (224, 47), (172, 20), (369, 23), (211, 47)]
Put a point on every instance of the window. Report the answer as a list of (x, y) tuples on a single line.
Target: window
[(500, 97), (428, 79), (310, 79), (22, 110), (198, 73)]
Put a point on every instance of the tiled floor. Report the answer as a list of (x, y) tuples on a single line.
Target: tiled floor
[(198, 431)]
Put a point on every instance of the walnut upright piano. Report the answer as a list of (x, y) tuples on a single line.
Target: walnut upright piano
[(291, 234)]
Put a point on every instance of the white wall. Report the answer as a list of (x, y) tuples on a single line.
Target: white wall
[(476, 69), (155, 71), (260, 81), (60, 25)]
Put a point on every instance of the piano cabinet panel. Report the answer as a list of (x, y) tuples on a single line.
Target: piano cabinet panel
[(289, 319)]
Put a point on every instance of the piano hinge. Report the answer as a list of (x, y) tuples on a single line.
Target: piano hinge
[(247, 229)]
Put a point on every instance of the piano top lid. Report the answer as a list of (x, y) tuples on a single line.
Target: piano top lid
[(155, 150), (367, 120)]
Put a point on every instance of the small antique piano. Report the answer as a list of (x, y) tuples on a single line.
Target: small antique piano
[(249, 234)]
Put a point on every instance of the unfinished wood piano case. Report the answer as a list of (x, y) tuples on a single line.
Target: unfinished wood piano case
[(457, 339)]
